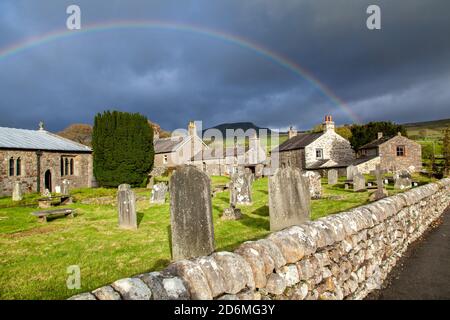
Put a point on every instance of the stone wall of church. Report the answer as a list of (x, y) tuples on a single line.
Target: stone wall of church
[(82, 174)]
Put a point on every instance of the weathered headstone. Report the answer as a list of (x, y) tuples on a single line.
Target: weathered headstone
[(65, 187), (402, 180), (242, 184), (381, 192), (314, 184), (126, 204), (46, 193), (191, 213), (332, 177), (17, 192), (351, 171), (58, 189), (289, 199), (159, 193), (359, 182), (232, 213)]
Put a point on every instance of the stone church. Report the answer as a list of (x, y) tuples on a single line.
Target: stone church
[(316, 151), (41, 160)]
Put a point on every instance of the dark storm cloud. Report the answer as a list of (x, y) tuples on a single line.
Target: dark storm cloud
[(175, 76)]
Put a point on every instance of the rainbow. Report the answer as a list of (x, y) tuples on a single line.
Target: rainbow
[(155, 24)]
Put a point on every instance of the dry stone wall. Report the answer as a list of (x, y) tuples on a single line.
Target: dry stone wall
[(342, 256)]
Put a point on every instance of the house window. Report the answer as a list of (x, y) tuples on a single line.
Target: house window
[(165, 159), (18, 167), (319, 153), (11, 167), (401, 151)]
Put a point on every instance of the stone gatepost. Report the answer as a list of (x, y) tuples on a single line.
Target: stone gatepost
[(17, 192), (126, 205), (289, 199), (191, 218)]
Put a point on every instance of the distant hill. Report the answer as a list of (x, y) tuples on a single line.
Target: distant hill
[(427, 129), (238, 125), (82, 133)]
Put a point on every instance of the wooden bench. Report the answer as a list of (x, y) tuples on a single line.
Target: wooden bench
[(50, 201), (43, 215)]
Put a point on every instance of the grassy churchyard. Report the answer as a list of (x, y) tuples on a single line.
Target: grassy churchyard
[(34, 256)]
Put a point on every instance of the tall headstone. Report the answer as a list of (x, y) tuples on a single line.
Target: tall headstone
[(126, 204), (359, 182), (380, 193), (402, 180), (351, 171), (242, 184), (232, 213), (17, 192), (314, 184), (159, 193), (65, 187), (191, 218), (289, 199), (332, 177)]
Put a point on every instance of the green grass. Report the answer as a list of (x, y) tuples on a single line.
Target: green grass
[(34, 256)]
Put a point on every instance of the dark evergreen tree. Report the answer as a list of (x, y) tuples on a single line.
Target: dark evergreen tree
[(122, 148), (362, 134)]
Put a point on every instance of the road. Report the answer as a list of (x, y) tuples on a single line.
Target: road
[(424, 271)]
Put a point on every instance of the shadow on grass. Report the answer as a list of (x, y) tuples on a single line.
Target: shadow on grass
[(139, 216)]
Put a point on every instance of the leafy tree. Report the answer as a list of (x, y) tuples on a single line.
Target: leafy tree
[(123, 148), (362, 134), (446, 151), (344, 132), (78, 132)]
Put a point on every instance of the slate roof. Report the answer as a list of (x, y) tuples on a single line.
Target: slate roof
[(300, 141), (327, 164), (22, 139), (211, 154), (375, 143), (167, 144), (363, 159)]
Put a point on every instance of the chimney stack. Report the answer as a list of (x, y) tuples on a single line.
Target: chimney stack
[(328, 125), (380, 135), (192, 128), (292, 132)]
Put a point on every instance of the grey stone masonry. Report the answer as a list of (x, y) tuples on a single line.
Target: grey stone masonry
[(191, 213), (314, 184), (126, 205), (332, 177), (341, 256), (289, 199)]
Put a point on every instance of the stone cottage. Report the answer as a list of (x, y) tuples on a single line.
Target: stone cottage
[(392, 153), (316, 151), (41, 160), (177, 150), (225, 161)]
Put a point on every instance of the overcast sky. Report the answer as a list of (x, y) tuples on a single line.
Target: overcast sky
[(399, 73)]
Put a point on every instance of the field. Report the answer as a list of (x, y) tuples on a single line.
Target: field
[(34, 256)]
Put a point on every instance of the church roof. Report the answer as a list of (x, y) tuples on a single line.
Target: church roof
[(375, 143), (23, 139), (299, 141)]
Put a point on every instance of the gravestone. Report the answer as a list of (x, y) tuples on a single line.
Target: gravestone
[(332, 177), (17, 192), (402, 180), (232, 213), (351, 171), (242, 184), (289, 199), (159, 193), (191, 218), (65, 187), (381, 192), (314, 184), (126, 205), (359, 182), (46, 193), (58, 189)]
